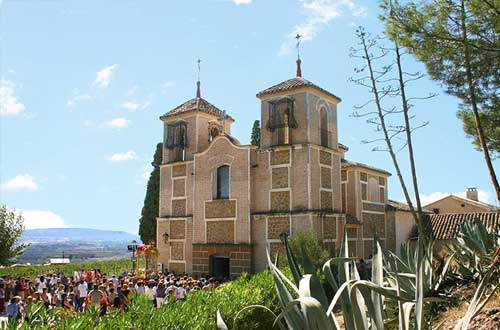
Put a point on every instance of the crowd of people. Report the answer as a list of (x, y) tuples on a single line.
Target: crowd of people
[(82, 289)]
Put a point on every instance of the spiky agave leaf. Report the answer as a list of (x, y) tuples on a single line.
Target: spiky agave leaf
[(221, 325), (377, 278), (316, 289), (293, 320), (292, 262)]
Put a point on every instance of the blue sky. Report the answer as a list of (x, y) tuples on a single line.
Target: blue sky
[(84, 82)]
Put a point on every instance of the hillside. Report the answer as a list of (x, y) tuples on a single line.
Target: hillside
[(78, 244), (52, 235)]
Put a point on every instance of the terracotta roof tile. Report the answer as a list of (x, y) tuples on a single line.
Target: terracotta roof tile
[(291, 84), (445, 226), (197, 103)]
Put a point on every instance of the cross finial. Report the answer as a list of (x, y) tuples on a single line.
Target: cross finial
[(298, 36), (299, 69), (198, 90)]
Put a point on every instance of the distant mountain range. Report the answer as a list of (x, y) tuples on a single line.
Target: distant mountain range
[(67, 235), (78, 244)]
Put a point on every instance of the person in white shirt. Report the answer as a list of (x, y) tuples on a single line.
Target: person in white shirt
[(139, 288), (150, 292), (114, 280), (82, 294), (53, 281), (42, 285), (172, 288), (180, 294), (76, 276)]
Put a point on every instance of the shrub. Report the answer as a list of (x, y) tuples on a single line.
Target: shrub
[(312, 246)]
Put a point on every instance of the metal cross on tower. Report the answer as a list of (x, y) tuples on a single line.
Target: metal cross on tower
[(198, 89), (299, 69)]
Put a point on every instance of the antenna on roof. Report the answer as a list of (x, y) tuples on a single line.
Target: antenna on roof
[(198, 90), (299, 70)]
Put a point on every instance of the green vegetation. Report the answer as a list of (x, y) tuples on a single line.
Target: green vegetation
[(459, 43), (11, 229), (108, 267), (391, 297), (312, 247), (150, 210), (198, 311), (255, 138)]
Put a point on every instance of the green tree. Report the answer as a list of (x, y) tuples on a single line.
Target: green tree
[(11, 229), (491, 126), (255, 138), (459, 42), (150, 210)]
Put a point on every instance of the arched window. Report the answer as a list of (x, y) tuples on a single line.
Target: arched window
[(323, 127), (222, 182), (281, 120), (177, 140), (214, 131), (373, 191)]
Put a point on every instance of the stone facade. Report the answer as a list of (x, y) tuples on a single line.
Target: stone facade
[(224, 205), (220, 231)]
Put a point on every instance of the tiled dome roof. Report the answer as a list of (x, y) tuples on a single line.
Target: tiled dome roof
[(291, 84), (196, 104)]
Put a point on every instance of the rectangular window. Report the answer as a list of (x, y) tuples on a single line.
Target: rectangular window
[(223, 182)]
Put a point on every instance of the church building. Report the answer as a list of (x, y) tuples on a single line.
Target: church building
[(223, 204)]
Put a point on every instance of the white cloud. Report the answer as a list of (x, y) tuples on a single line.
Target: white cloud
[(21, 181), (34, 219), (77, 97), (118, 122), (103, 76), (432, 197), (123, 156), (9, 102), (131, 105), (483, 196), (319, 14), (242, 2)]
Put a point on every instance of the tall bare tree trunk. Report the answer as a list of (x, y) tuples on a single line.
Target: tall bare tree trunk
[(472, 99), (404, 102), (418, 220)]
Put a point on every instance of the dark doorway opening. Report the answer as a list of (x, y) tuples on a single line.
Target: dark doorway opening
[(219, 266)]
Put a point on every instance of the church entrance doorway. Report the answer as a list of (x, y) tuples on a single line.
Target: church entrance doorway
[(219, 266)]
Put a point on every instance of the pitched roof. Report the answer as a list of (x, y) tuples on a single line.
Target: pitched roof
[(490, 207), (445, 226), (196, 104), (350, 163), (291, 84), (395, 205)]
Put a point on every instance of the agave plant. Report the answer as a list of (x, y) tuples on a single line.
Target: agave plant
[(473, 249), (403, 269), (304, 303)]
